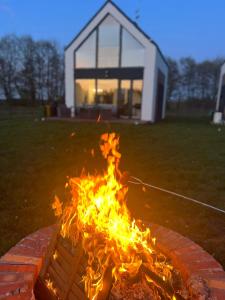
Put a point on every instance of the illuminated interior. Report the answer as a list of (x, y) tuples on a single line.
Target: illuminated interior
[(109, 70)]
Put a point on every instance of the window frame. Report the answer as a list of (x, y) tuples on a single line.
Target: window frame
[(119, 73), (121, 32), (82, 43)]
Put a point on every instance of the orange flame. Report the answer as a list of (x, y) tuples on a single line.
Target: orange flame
[(57, 207), (50, 286), (98, 215)]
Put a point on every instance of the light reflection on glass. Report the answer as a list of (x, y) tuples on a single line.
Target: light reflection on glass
[(85, 92), (108, 43), (107, 91), (132, 51), (86, 54)]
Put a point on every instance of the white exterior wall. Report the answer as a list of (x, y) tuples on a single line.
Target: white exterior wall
[(222, 73), (160, 64), (148, 93), (152, 60), (69, 79)]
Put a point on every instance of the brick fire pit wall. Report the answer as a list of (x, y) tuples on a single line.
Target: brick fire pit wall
[(20, 266)]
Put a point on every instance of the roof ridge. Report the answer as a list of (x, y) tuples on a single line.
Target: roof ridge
[(127, 17)]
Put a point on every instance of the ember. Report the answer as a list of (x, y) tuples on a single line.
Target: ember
[(121, 251)]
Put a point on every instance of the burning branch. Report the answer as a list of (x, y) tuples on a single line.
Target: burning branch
[(119, 249)]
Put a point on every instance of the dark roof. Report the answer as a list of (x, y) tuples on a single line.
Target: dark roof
[(128, 18)]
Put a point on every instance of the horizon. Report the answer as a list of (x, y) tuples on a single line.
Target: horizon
[(176, 35)]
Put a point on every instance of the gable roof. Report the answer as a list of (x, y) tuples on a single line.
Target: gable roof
[(128, 19)]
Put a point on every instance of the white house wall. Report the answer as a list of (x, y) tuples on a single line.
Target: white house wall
[(69, 53), (161, 65), (147, 111), (152, 61), (222, 73)]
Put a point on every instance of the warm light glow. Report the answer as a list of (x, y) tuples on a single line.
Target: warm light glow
[(98, 90), (55, 255), (97, 215), (50, 286)]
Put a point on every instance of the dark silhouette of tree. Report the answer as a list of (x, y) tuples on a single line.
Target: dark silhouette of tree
[(34, 71), (31, 70), (8, 65)]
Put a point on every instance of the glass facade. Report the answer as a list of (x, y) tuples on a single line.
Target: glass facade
[(85, 56), (107, 91), (137, 93), (110, 46), (132, 51), (85, 92), (125, 97), (136, 98), (109, 38)]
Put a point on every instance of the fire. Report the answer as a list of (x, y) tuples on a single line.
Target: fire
[(50, 286), (117, 245)]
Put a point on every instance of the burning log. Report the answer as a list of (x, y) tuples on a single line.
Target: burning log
[(136, 291), (122, 260)]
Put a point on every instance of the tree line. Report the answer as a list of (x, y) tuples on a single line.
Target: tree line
[(31, 70), (34, 71), (191, 80)]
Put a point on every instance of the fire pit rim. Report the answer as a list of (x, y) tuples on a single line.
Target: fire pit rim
[(20, 266)]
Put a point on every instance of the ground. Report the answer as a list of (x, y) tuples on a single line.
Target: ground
[(183, 155)]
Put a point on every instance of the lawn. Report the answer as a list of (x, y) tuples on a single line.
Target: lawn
[(184, 155)]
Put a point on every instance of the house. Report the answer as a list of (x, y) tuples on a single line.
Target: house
[(220, 103), (114, 68)]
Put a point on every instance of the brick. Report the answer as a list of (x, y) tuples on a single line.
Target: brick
[(216, 273), (217, 294), (217, 283), (9, 277), (23, 251), (13, 267), (6, 277), (14, 288), (194, 259), (20, 266), (22, 259), (24, 296), (204, 265)]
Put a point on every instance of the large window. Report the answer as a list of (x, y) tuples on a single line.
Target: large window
[(137, 93), (108, 48), (107, 91), (108, 51), (132, 51), (125, 97), (85, 92), (86, 54)]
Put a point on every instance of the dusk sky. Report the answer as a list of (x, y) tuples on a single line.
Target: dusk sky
[(180, 27)]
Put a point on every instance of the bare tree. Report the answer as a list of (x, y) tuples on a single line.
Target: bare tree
[(26, 75), (174, 78), (8, 65), (188, 73), (50, 69)]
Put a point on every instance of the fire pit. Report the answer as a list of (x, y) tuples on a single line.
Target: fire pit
[(121, 257), (98, 251), (20, 267), (113, 255), (64, 266)]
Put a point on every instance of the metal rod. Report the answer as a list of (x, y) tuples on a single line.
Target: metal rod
[(140, 182)]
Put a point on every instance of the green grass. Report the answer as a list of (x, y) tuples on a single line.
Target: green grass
[(183, 155)]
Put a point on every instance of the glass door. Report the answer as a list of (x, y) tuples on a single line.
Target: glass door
[(136, 98), (125, 98), (130, 98)]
